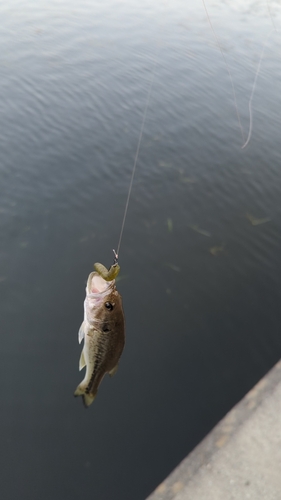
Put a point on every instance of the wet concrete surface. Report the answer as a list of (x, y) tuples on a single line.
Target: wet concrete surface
[(240, 458)]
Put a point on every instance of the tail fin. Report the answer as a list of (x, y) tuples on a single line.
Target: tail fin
[(87, 398)]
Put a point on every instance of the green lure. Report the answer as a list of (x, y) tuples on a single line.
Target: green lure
[(107, 274)]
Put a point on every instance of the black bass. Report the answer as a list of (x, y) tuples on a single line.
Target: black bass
[(103, 331)]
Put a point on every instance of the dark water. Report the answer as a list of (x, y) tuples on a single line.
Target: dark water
[(201, 328)]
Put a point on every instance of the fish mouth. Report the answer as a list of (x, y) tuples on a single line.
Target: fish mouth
[(96, 285)]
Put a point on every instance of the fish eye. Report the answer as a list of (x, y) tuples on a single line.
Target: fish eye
[(109, 306)]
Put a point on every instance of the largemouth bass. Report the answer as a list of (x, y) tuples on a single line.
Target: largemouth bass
[(103, 331)]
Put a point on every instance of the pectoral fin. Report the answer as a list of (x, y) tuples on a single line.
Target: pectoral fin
[(81, 333), (82, 361)]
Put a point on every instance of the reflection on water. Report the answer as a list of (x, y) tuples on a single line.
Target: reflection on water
[(200, 257)]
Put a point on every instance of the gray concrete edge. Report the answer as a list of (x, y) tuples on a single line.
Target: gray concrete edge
[(218, 437)]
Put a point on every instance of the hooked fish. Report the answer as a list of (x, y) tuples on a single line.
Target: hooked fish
[(103, 331)]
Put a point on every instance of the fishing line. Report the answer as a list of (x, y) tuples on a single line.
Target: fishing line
[(228, 70), (254, 88), (270, 15), (116, 253), (136, 160), (257, 74)]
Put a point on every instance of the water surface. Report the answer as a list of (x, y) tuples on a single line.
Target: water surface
[(201, 328)]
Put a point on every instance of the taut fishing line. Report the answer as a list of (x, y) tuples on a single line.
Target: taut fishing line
[(245, 143), (136, 159)]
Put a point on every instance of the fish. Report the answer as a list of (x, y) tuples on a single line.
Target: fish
[(103, 331)]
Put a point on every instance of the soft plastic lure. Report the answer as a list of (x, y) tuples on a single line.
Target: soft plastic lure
[(107, 274)]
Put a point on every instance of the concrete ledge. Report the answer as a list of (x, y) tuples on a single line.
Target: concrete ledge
[(241, 457)]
